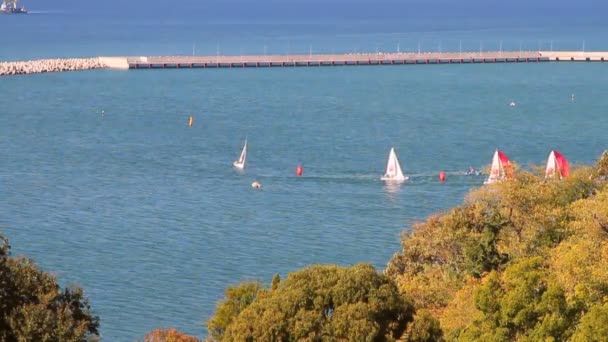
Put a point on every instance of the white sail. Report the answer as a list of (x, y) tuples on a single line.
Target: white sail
[(496, 170), (393, 169), (240, 163), (551, 166)]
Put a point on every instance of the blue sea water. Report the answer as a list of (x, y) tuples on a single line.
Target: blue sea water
[(149, 217)]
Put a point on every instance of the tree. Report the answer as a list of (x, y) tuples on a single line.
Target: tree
[(34, 308), (593, 327), (521, 304), (236, 299), (424, 328), (276, 279), (169, 335), (325, 302)]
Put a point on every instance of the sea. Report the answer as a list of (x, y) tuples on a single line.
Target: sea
[(104, 184)]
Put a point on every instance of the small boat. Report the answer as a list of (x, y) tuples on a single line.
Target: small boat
[(557, 165), (512, 104), (472, 172), (240, 163), (10, 7), (256, 185), (500, 169), (393, 169)]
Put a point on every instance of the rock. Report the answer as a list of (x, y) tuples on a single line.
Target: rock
[(51, 65)]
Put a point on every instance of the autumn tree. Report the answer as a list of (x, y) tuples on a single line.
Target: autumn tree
[(236, 299), (169, 335), (532, 250), (33, 307)]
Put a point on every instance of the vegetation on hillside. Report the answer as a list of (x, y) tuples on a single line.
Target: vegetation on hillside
[(168, 335), (522, 260), (314, 304), (33, 307)]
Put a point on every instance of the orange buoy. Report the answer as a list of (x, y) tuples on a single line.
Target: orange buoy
[(190, 121), (442, 176), (299, 170)]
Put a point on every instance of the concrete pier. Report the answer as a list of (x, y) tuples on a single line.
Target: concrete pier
[(297, 60), (256, 61)]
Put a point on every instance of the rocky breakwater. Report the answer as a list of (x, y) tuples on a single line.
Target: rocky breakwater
[(50, 65)]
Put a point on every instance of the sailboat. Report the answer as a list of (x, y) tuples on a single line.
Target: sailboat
[(500, 169), (240, 163), (393, 169), (557, 165)]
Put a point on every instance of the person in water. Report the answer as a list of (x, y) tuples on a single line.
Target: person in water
[(472, 171)]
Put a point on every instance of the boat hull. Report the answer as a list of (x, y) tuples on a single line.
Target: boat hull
[(18, 11), (395, 179)]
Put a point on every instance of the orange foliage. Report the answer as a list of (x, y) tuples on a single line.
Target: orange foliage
[(168, 335)]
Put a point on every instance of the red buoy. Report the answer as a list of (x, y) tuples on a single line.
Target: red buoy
[(442, 176), (299, 170)]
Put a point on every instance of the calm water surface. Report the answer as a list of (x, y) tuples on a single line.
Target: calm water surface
[(149, 217)]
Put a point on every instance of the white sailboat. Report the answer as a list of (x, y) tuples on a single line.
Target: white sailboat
[(240, 163), (393, 169)]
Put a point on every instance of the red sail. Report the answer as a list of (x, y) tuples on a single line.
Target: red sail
[(506, 165), (562, 164)]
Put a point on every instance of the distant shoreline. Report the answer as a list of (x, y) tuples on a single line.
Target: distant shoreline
[(295, 60)]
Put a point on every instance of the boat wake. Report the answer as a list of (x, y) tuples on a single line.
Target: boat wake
[(46, 12)]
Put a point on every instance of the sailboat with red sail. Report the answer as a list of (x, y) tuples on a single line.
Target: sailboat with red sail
[(557, 166), (501, 168)]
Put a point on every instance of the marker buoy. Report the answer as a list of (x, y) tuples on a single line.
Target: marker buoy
[(442, 176), (190, 121), (299, 170), (256, 185)]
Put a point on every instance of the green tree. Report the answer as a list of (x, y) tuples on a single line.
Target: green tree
[(236, 299), (34, 308), (424, 328), (521, 304), (593, 326), (276, 279), (325, 302)]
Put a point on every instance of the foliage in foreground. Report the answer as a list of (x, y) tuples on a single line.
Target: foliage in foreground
[(524, 260), (313, 304), (168, 335), (34, 308)]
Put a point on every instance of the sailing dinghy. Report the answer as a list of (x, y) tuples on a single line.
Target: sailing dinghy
[(240, 163), (500, 169), (393, 169), (557, 165)]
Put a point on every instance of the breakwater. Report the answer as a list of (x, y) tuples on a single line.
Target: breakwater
[(296, 60), (49, 65)]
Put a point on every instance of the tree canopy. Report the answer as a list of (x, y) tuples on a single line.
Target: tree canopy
[(33, 307), (317, 303), (522, 260)]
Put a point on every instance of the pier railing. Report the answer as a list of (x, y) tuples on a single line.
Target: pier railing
[(297, 60)]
